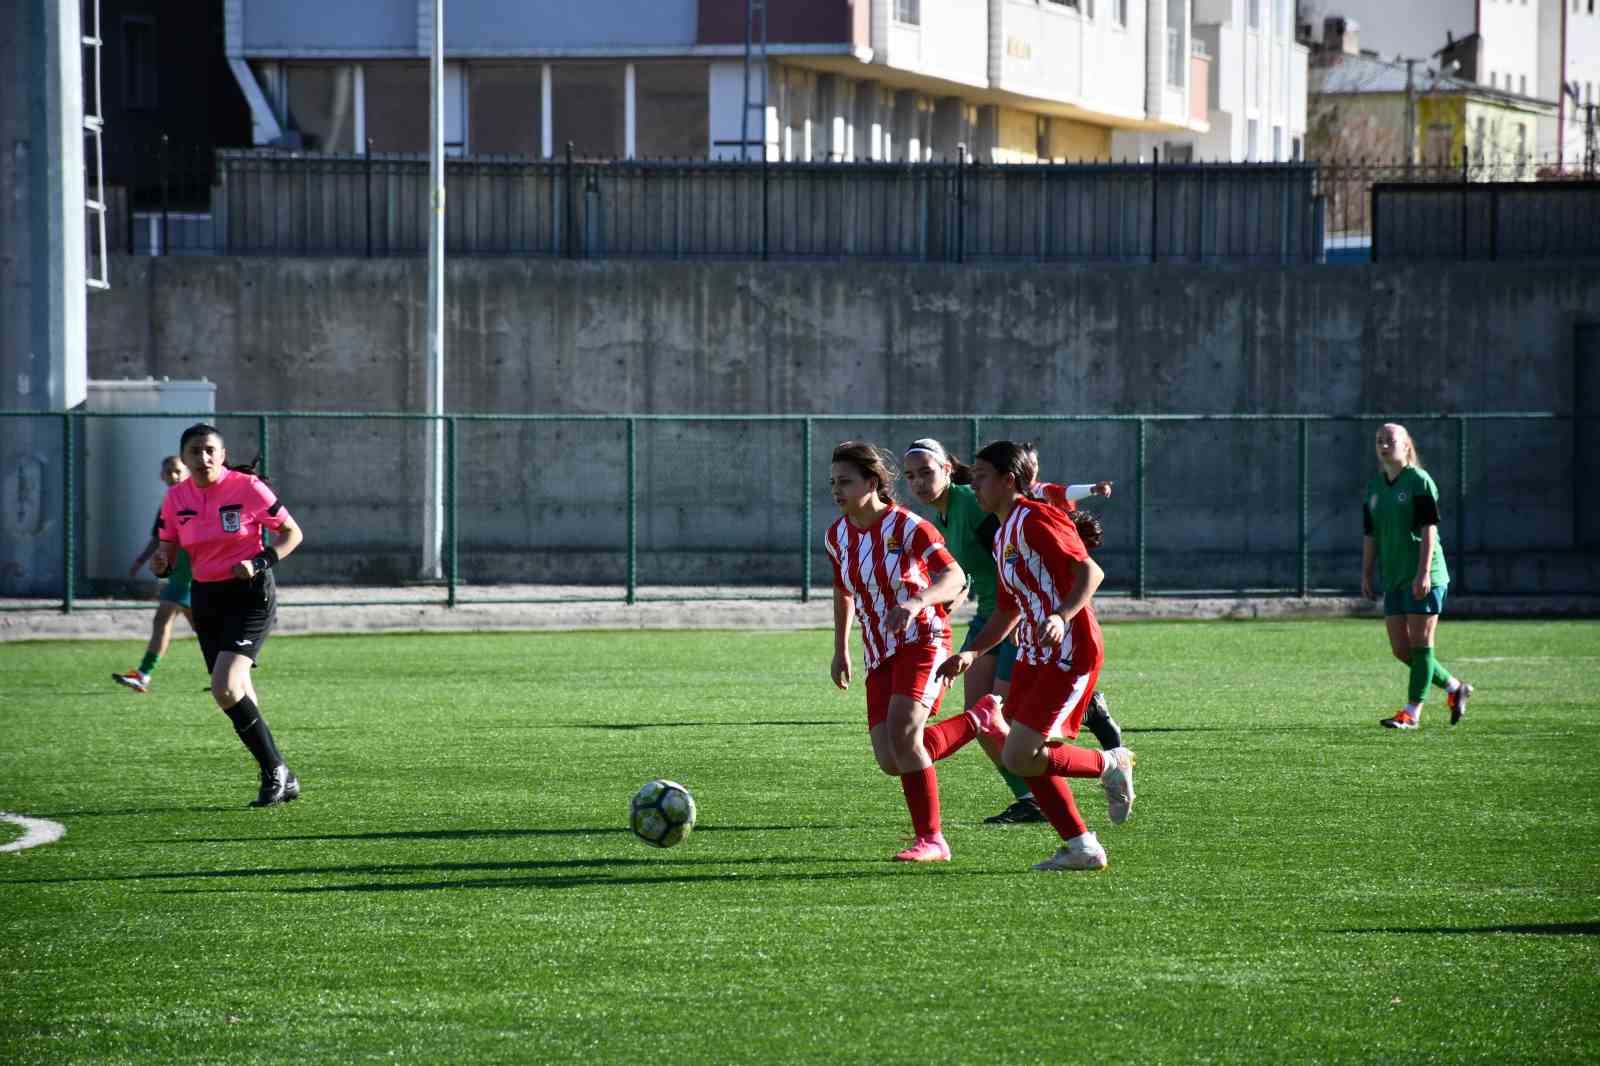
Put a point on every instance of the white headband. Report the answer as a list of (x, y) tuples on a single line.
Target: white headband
[(929, 446)]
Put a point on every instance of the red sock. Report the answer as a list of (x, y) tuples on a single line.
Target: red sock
[(1069, 760), (1055, 800), (947, 737), (922, 800)]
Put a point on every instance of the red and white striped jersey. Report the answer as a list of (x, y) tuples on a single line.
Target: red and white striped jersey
[(1034, 553), (884, 565)]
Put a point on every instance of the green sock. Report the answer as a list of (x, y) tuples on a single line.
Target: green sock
[(1017, 785), (1422, 668), (1441, 676), (147, 665)]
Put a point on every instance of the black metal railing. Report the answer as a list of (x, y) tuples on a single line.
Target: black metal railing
[(1351, 191), (272, 202)]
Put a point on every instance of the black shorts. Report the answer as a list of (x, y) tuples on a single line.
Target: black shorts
[(234, 616)]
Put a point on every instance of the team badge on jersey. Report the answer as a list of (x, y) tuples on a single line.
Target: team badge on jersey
[(1400, 497), (891, 543), (1009, 556), (232, 516)]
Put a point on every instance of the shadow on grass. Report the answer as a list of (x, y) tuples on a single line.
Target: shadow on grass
[(874, 872), (137, 811), (1530, 929), (476, 834), (629, 726)]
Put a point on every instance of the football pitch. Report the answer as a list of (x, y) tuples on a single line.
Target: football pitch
[(458, 883)]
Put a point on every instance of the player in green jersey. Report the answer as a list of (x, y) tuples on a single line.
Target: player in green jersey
[(174, 594), (942, 481), (1400, 521)]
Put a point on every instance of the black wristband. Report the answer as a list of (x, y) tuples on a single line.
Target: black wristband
[(265, 560)]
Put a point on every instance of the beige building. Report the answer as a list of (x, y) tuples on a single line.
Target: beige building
[(1365, 109)]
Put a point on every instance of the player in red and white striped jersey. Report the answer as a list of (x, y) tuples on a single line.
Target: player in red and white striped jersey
[(1046, 584), (892, 570)]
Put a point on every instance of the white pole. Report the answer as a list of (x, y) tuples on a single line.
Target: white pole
[(547, 140), (630, 134), (433, 513)]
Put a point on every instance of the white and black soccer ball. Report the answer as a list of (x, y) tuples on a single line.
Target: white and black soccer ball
[(662, 813)]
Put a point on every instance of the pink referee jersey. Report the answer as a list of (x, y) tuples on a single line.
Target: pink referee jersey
[(880, 567), (221, 524), (1033, 553)]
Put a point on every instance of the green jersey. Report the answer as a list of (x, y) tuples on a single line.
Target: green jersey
[(963, 525), (1394, 515)]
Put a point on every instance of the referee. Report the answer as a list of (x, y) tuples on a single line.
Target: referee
[(218, 516)]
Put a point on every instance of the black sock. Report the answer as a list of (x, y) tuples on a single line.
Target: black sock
[(1098, 719), (253, 732)]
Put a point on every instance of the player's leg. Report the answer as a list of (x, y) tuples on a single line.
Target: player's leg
[(1395, 603), (138, 678), (1024, 809), (243, 631), (1097, 719), (1043, 701)]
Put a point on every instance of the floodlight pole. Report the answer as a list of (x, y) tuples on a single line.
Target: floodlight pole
[(433, 514)]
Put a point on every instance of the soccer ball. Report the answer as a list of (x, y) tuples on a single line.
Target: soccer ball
[(662, 813)]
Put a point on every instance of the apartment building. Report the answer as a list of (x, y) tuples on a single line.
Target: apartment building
[(837, 80), (1569, 49)]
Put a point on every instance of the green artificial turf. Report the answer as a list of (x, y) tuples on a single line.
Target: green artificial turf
[(457, 883)]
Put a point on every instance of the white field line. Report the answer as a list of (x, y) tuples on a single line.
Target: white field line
[(35, 831)]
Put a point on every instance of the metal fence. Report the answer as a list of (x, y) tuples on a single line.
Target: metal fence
[(1513, 221), (283, 203), (1415, 196), (186, 201), (1187, 517)]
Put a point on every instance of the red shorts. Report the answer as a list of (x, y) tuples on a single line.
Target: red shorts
[(1050, 700), (908, 672)]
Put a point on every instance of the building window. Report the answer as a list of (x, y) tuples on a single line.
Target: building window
[(1119, 12), (1254, 13), (908, 11), (141, 63), (1477, 139), (1251, 131), (1298, 147), (1522, 84), (1076, 5), (1493, 84)]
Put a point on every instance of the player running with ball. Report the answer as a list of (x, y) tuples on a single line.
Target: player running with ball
[(892, 570), (1046, 583)]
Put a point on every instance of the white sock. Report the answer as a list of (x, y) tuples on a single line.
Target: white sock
[(1082, 842), (1454, 685), (1414, 710)]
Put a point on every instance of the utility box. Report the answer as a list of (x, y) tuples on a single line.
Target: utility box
[(122, 489)]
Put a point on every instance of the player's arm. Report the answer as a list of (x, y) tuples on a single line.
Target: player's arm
[(1085, 581), (1369, 552), (1425, 521), (285, 537), (844, 612), (997, 628), (946, 585), (151, 547), (166, 552)]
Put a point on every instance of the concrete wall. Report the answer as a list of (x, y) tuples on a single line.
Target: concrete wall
[(717, 498)]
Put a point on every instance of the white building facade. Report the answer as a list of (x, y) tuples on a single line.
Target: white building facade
[(840, 80)]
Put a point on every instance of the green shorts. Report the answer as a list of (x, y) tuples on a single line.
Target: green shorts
[(175, 589), (1400, 601), (1005, 652)]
